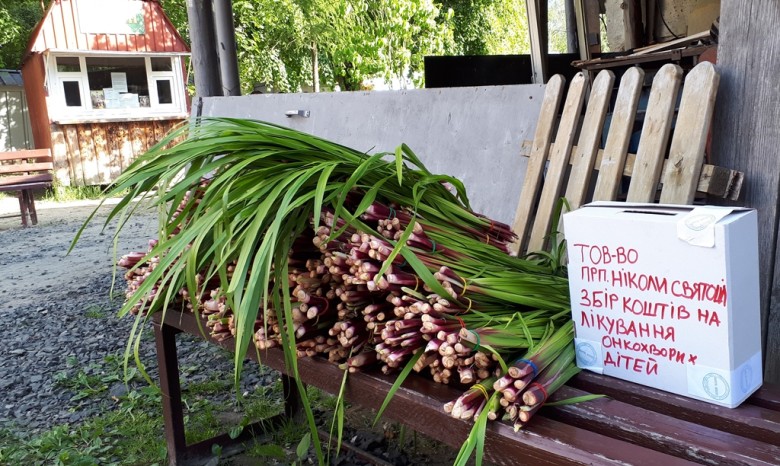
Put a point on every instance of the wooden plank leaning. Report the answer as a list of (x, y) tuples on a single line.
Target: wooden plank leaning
[(655, 134)]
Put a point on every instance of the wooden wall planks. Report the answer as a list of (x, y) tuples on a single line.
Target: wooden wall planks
[(97, 153), (61, 30), (746, 137)]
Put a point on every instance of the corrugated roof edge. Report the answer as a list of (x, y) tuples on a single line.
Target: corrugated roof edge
[(11, 78)]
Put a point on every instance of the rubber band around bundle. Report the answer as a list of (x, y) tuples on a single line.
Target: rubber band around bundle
[(541, 387), (434, 246), (530, 363), (476, 346), (470, 303), (463, 290), (482, 390), (392, 213), (462, 324), (416, 282)]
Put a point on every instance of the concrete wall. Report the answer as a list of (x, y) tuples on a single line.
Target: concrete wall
[(685, 17), (473, 133)]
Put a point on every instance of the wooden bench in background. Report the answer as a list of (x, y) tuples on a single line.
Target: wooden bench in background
[(634, 425), (24, 171)]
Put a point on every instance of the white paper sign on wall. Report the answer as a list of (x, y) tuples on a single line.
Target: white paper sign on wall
[(111, 16)]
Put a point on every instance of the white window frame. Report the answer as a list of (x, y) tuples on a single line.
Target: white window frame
[(62, 77), (61, 113)]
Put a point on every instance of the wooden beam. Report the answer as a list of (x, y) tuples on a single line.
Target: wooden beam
[(745, 137), (715, 181), (582, 29), (538, 46)]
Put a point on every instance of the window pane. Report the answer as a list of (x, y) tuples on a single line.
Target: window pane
[(68, 64), (164, 94), (72, 93), (161, 64), (122, 80)]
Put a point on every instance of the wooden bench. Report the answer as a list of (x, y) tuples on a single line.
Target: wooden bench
[(634, 425), (24, 171)]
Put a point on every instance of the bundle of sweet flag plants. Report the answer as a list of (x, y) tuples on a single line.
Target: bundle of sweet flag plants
[(282, 239)]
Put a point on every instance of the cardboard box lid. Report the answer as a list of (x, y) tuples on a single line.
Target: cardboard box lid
[(695, 224)]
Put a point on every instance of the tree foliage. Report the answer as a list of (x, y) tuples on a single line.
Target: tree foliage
[(355, 40), (17, 19)]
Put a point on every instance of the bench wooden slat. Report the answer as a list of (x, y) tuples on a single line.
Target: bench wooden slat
[(418, 404), (686, 153), (714, 181), (559, 162), (650, 429), (766, 398), (655, 134), (757, 418), (9, 181), (26, 154), (590, 136), (540, 148), (621, 126), (25, 167)]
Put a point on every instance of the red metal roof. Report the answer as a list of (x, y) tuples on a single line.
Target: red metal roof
[(61, 29)]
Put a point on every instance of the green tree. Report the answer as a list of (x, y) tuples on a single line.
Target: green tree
[(354, 40), (509, 28), (176, 11), (471, 25), (17, 19), (489, 27)]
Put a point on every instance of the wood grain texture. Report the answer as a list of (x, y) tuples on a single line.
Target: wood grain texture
[(102, 154), (636, 425), (584, 156), (40, 155), (620, 128), (655, 134), (745, 137), (686, 153), (714, 181), (558, 164), (63, 169), (73, 154), (418, 404), (89, 162), (659, 431), (61, 30), (97, 153), (538, 158)]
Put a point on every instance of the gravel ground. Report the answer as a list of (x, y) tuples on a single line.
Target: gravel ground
[(60, 319)]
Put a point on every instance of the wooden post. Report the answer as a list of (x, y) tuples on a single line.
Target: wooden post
[(571, 27), (205, 62), (582, 29), (226, 47), (745, 137), (538, 46)]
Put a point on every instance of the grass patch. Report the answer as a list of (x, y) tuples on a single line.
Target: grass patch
[(60, 193), (95, 311), (129, 431)]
